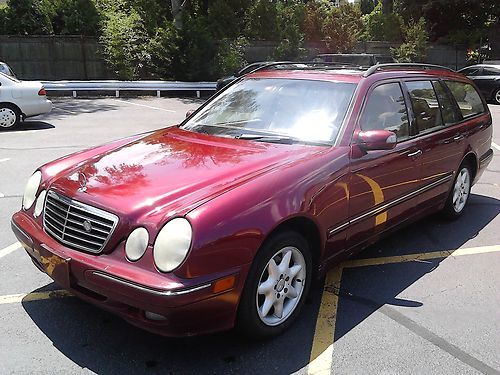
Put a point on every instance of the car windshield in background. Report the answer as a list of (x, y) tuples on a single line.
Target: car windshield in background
[(276, 110)]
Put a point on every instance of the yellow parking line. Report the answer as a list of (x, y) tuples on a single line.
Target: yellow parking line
[(320, 360), (420, 256), (34, 296)]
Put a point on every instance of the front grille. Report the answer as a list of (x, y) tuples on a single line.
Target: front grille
[(77, 225)]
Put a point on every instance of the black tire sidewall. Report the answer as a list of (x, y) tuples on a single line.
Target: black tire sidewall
[(495, 96), (18, 116), (248, 320)]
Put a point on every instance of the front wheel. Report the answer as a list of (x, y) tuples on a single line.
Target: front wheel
[(459, 195), (276, 286)]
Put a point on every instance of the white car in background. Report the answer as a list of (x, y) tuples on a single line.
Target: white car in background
[(19, 100)]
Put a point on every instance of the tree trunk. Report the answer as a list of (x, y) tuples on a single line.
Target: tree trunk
[(387, 6), (177, 6)]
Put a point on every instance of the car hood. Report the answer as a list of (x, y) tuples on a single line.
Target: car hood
[(171, 171)]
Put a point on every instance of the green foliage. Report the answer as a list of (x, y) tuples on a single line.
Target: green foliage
[(380, 26), (230, 56), (124, 43), (26, 17), (162, 49), (339, 27), (260, 21), (366, 6), (222, 21), (289, 19), (74, 17), (415, 43)]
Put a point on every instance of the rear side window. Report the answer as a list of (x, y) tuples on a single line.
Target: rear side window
[(425, 105), (386, 109), (470, 71), (450, 115), (491, 71), (467, 98)]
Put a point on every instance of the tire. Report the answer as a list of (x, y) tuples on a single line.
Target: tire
[(285, 284), (496, 96), (459, 193), (10, 117)]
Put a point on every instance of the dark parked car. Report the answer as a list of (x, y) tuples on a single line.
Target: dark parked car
[(227, 218), (359, 59), (487, 79)]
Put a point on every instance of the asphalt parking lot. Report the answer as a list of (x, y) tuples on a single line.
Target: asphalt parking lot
[(425, 300)]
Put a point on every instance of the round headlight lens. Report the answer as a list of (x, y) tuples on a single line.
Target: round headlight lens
[(39, 203), (172, 244), (31, 189), (136, 244)]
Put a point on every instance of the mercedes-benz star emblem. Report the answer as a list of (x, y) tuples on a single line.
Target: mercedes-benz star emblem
[(82, 180), (87, 226)]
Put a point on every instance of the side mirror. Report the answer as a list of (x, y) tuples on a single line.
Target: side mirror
[(377, 140), (190, 112)]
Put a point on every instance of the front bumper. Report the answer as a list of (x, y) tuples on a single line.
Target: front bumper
[(188, 306)]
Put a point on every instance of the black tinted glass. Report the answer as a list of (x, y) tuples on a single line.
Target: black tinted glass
[(467, 98), (491, 72), (386, 109), (425, 105), (448, 111)]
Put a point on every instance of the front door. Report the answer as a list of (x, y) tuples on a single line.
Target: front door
[(382, 182)]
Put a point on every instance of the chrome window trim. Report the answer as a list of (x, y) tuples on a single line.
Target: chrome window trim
[(84, 207), (386, 206)]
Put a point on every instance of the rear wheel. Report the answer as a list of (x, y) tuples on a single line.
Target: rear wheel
[(9, 116), (276, 286), (459, 195), (496, 96)]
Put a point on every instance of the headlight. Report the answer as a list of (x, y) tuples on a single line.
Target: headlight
[(39, 203), (31, 189), (172, 244), (136, 244)]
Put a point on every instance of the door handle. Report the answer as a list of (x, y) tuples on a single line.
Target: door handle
[(414, 154), (458, 138)]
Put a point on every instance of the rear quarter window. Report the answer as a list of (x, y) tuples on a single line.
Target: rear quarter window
[(468, 99)]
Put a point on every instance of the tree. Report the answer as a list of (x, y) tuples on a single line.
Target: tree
[(27, 17), (415, 43), (366, 6)]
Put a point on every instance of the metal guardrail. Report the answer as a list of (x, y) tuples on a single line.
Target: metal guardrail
[(117, 86)]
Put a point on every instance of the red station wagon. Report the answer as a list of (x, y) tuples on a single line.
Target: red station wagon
[(227, 218)]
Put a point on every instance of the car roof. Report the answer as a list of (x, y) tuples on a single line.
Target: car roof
[(353, 75)]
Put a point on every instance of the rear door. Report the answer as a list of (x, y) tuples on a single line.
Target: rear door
[(440, 141), (381, 182)]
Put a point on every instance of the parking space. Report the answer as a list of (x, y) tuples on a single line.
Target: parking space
[(424, 300)]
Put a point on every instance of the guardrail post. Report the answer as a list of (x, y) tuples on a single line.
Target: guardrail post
[(198, 94), (117, 93), (158, 94), (74, 93)]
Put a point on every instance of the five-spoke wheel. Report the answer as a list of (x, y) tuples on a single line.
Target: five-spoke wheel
[(459, 195)]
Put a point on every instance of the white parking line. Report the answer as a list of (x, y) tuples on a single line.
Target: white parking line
[(495, 146), (144, 105), (4, 159), (10, 249)]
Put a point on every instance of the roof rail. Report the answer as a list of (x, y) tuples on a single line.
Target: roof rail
[(379, 67), (308, 65)]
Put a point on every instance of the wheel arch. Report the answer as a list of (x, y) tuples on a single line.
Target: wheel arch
[(13, 105), (309, 229), (471, 159)]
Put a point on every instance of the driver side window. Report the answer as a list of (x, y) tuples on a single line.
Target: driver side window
[(386, 110)]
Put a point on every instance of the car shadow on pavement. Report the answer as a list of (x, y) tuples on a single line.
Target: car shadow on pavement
[(30, 125), (103, 343)]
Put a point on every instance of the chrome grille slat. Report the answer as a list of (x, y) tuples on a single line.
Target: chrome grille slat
[(64, 219)]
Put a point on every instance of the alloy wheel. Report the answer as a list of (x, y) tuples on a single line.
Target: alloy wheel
[(280, 286), (461, 190), (7, 117), (497, 97)]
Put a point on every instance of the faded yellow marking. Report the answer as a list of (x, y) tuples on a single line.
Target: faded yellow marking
[(320, 361), (378, 196), (34, 296), (51, 263), (420, 256)]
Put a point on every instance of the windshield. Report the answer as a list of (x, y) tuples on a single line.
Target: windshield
[(296, 109)]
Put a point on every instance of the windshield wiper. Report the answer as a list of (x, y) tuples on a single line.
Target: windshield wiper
[(268, 138), (279, 139)]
